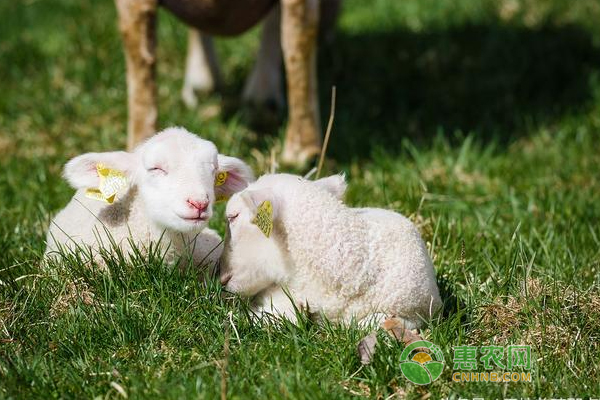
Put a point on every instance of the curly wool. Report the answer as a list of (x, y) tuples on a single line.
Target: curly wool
[(352, 263)]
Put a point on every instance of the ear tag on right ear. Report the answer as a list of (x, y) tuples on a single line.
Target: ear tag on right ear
[(111, 181), (221, 178), (264, 218)]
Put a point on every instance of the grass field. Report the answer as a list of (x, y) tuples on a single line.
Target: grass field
[(478, 119)]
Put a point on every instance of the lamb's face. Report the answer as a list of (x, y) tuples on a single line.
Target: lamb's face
[(175, 172), (251, 262), (176, 180)]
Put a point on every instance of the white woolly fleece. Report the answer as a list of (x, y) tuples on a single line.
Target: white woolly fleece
[(88, 222), (169, 187), (342, 262)]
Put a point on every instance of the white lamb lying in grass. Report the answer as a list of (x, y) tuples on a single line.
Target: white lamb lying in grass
[(165, 191), (344, 263)]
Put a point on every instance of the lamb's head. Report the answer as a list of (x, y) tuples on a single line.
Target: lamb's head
[(256, 253), (178, 176)]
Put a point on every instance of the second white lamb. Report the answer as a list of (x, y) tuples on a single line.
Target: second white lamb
[(292, 244)]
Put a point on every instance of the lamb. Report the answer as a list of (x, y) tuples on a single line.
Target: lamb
[(163, 192), (292, 244)]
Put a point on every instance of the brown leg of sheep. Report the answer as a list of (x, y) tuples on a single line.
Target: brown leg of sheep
[(137, 23), (299, 25)]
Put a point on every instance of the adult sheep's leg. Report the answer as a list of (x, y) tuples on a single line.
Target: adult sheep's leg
[(263, 86), (202, 67), (299, 26), (137, 23)]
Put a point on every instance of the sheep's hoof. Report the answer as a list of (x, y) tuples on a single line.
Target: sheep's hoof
[(191, 93), (273, 102), (265, 117), (189, 97), (300, 157), (302, 143)]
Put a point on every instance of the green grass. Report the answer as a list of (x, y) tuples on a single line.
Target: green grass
[(479, 119)]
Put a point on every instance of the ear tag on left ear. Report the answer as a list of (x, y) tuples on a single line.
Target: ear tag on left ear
[(111, 181), (264, 218), (221, 178)]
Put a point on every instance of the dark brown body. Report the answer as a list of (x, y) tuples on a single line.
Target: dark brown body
[(296, 27), (220, 17)]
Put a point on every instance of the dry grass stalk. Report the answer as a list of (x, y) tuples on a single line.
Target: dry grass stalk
[(327, 133)]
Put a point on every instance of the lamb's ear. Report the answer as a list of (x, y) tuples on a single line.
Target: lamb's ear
[(334, 184), (81, 171), (257, 198), (233, 176)]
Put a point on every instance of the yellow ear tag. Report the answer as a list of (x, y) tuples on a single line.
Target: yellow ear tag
[(111, 181), (221, 178), (264, 218)]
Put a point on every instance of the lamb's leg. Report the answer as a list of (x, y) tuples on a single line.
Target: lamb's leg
[(263, 86), (276, 302), (299, 25), (372, 321), (202, 67), (387, 322), (137, 23)]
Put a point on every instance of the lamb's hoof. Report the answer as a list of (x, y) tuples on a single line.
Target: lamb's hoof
[(366, 348)]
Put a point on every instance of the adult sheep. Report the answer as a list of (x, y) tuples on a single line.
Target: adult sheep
[(290, 33), (163, 192), (291, 243)]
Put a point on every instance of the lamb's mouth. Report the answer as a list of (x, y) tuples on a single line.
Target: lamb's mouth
[(197, 219), (202, 218)]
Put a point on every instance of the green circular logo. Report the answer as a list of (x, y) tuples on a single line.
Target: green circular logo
[(422, 362)]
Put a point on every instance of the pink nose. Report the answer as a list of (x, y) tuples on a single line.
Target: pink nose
[(199, 205)]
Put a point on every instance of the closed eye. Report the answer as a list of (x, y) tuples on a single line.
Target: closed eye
[(232, 217), (159, 170)]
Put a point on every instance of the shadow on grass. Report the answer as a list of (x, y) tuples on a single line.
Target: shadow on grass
[(495, 80), (491, 79), (451, 305)]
